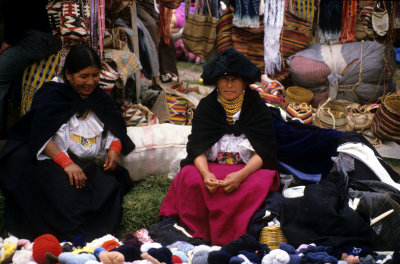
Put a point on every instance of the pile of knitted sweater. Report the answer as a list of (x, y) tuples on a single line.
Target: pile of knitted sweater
[(139, 248)]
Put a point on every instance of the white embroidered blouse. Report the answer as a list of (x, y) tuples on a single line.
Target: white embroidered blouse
[(230, 149), (82, 137)]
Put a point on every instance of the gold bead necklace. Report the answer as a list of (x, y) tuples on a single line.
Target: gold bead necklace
[(231, 106)]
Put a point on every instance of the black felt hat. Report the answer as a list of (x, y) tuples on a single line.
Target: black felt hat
[(230, 62)]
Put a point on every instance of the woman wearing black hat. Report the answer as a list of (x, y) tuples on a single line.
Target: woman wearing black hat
[(231, 161)]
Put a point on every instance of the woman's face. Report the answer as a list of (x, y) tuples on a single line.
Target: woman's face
[(230, 86), (84, 81)]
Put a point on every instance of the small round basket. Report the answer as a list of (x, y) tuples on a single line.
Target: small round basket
[(272, 236), (298, 94)]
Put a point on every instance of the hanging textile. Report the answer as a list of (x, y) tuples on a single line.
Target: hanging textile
[(246, 13), (349, 17), (304, 9), (93, 24), (224, 31), (330, 21), (101, 25), (273, 21)]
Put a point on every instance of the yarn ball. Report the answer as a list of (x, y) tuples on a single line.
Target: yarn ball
[(71, 258), (111, 257), (294, 259), (22, 256), (181, 255), (130, 252), (288, 248), (276, 256), (236, 260), (67, 247), (219, 257), (253, 257), (162, 254), (23, 243), (110, 244), (176, 259), (131, 239), (79, 241), (200, 257), (181, 246), (97, 252), (320, 257), (245, 242), (147, 245), (43, 244)]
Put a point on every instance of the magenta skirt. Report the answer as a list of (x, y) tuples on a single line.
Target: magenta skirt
[(218, 218)]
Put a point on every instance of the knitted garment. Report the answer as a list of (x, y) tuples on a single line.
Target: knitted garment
[(330, 21), (247, 13), (273, 21)]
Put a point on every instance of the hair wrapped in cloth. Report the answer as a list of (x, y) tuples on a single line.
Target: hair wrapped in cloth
[(230, 62)]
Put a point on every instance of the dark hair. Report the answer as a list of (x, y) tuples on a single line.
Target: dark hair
[(80, 57)]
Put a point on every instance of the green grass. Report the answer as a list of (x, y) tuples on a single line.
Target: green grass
[(142, 203), (190, 66)]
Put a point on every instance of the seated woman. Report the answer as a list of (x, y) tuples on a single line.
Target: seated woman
[(229, 169), (59, 170)]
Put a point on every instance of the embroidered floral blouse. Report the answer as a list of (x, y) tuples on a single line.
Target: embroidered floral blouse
[(230, 149)]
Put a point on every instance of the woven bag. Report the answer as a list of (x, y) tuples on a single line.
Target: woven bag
[(331, 115), (298, 94), (177, 108), (301, 111), (272, 236), (34, 76), (199, 33), (138, 115), (386, 123)]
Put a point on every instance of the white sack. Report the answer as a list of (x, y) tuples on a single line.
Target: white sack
[(156, 147)]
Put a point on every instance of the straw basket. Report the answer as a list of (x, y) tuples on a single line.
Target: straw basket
[(386, 123), (331, 115), (272, 236), (298, 94)]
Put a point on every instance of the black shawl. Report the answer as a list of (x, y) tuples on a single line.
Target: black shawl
[(255, 122), (53, 105)]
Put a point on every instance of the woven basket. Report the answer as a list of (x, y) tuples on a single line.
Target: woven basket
[(272, 236), (331, 115), (298, 94), (386, 123)]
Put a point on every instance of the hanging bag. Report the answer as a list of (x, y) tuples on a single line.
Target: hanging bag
[(199, 33), (380, 19)]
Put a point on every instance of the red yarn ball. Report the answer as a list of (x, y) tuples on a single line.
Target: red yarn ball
[(176, 259), (110, 244), (43, 244)]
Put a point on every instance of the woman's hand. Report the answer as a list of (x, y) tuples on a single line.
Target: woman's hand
[(112, 161), (232, 182), (211, 182), (76, 175)]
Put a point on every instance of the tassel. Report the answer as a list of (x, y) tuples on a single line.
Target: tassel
[(273, 22)]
